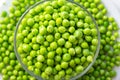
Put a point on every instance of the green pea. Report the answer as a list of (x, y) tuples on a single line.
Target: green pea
[(58, 67), (33, 53), (65, 23), (68, 44), (66, 57), (50, 62), (48, 70), (79, 69), (62, 29), (26, 47), (30, 22), (59, 51), (65, 35), (71, 51), (53, 45), (36, 46), (51, 55), (84, 45), (64, 65), (40, 58), (40, 39), (50, 38), (49, 9), (58, 21), (80, 14), (50, 29), (61, 42), (43, 30)]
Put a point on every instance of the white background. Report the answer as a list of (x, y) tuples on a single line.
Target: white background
[(113, 7)]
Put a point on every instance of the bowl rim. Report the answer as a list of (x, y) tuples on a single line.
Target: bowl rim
[(32, 73)]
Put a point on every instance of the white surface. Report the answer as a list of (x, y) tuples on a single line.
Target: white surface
[(113, 7)]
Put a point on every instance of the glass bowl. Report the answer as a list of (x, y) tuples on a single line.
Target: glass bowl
[(17, 42)]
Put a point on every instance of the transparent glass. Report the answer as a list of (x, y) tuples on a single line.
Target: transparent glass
[(31, 72)]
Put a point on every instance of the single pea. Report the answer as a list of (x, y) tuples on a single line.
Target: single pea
[(71, 51), (80, 24), (48, 17), (78, 50), (88, 38), (52, 22), (72, 23), (89, 58), (102, 29), (65, 23), (35, 46), (49, 70), (71, 16), (49, 9), (64, 65), (45, 23), (58, 67), (26, 40), (77, 60), (40, 39), (79, 69), (84, 45), (58, 58), (43, 50), (40, 58), (69, 71), (87, 31), (42, 17), (61, 73), (72, 63), (86, 52), (68, 44), (44, 75), (51, 55), (33, 53), (66, 57), (55, 16), (54, 4), (83, 59), (30, 36), (4, 14), (17, 13), (42, 30), (59, 50), (61, 42), (30, 22), (26, 47), (34, 40), (12, 55), (71, 30), (78, 33), (50, 62), (61, 29), (50, 29), (64, 15), (61, 2), (53, 45), (58, 21), (72, 38), (49, 38), (57, 36), (65, 35), (95, 42), (19, 36), (81, 14)]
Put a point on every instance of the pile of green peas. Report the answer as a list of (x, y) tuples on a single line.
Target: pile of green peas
[(57, 39), (109, 55)]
